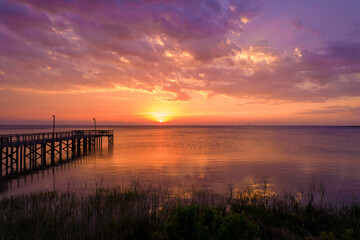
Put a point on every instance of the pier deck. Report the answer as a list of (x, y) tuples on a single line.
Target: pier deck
[(20, 153)]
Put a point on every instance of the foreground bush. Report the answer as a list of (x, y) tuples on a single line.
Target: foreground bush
[(136, 212), (194, 222)]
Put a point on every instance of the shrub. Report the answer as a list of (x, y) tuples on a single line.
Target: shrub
[(195, 222)]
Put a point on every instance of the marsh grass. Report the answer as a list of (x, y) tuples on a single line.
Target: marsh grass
[(140, 211)]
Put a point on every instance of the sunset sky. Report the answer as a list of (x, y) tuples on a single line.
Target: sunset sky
[(271, 62)]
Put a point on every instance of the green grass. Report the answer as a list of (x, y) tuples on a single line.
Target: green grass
[(146, 212)]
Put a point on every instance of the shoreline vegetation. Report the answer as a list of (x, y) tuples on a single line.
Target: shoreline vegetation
[(138, 211)]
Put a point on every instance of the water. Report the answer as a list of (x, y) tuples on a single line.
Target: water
[(286, 158)]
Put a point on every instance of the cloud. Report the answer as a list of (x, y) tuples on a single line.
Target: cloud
[(297, 24), (333, 110), (315, 32), (301, 26), (165, 47), (84, 40)]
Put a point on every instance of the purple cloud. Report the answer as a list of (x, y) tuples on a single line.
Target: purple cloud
[(297, 24), (316, 32), (300, 26)]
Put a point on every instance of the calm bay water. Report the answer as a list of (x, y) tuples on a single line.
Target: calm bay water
[(286, 158)]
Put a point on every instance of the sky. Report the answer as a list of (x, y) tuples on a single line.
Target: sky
[(236, 62)]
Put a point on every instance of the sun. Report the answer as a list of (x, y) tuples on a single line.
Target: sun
[(161, 113), (159, 117)]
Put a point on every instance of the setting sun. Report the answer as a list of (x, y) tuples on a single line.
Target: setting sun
[(161, 112), (159, 117)]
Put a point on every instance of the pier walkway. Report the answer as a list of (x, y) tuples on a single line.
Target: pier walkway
[(21, 153)]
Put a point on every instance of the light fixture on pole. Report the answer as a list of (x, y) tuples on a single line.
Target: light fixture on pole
[(94, 123), (53, 125)]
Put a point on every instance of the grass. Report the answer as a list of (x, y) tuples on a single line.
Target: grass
[(146, 212)]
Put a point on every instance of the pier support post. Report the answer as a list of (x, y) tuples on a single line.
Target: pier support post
[(52, 152), (67, 150), (17, 160), (34, 157), (79, 146), (21, 158), (12, 161), (31, 156), (7, 162), (110, 140), (1, 161), (85, 145), (73, 141), (43, 155), (24, 158), (60, 151)]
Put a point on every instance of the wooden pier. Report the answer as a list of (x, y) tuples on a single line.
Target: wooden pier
[(21, 153)]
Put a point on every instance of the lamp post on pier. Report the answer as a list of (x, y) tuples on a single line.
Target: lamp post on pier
[(94, 123), (52, 150), (53, 125)]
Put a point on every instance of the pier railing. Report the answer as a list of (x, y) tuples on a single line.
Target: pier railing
[(13, 140)]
